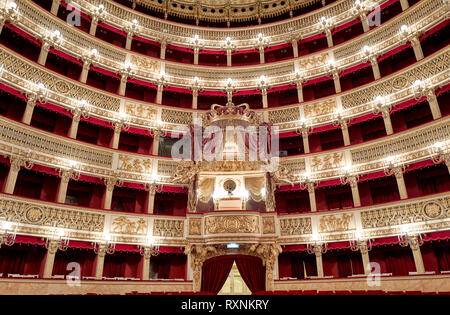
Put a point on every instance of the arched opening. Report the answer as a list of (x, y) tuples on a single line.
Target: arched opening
[(216, 270)]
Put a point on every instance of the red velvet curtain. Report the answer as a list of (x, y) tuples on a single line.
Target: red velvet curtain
[(253, 272), (83, 257), (215, 272), (114, 266)]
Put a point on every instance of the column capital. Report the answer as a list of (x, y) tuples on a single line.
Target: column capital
[(414, 242), (102, 249), (52, 246), (363, 247), (17, 162), (111, 182)]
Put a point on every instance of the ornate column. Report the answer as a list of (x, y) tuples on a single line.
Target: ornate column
[(85, 71), (65, 175), (111, 182), (117, 130), (312, 196), (269, 254), (337, 82), (298, 81), (153, 188), (161, 84), (294, 43), (100, 261), (364, 249), (97, 15), (417, 47), (374, 63), (130, 29), (196, 53), (194, 98), (55, 7), (398, 173), (228, 46), (361, 10), (318, 250), (146, 253), (93, 27), (45, 48), (16, 163), (404, 4), (305, 132), (414, 244), (229, 89), (353, 182), (434, 105), (343, 123), (380, 106), (262, 86), (163, 49), (29, 109), (52, 248), (76, 112), (326, 27)]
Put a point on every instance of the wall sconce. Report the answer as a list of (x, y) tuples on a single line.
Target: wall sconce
[(149, 247), (310, 247), (357, 242), (440, 153), (59, 235), (110, 245), (405, 237)]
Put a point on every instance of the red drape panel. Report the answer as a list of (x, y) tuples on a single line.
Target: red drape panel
[(253, 272), (215, 272)]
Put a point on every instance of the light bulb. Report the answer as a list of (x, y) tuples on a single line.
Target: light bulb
[(404, 28), (13, 5), (438, 145), (56, 33), (61, 233), (94, 51), (135, 22)]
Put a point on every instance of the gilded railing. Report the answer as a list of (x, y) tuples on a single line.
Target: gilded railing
[(44, 219), (419, 18), (24, 76), (44, 148), (339, 13)]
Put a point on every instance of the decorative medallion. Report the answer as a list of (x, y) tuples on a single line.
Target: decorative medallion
[(432, 210), (34, 215), (399, 82), (62, 87)]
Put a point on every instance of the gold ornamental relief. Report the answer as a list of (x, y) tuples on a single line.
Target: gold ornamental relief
[(124, 225), (268, 224), (148, 64), (326, 162), (195, 226), (232, 224), (336, 223), (432, 210)]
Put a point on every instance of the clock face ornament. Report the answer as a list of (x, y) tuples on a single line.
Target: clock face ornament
[(229, 186)]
